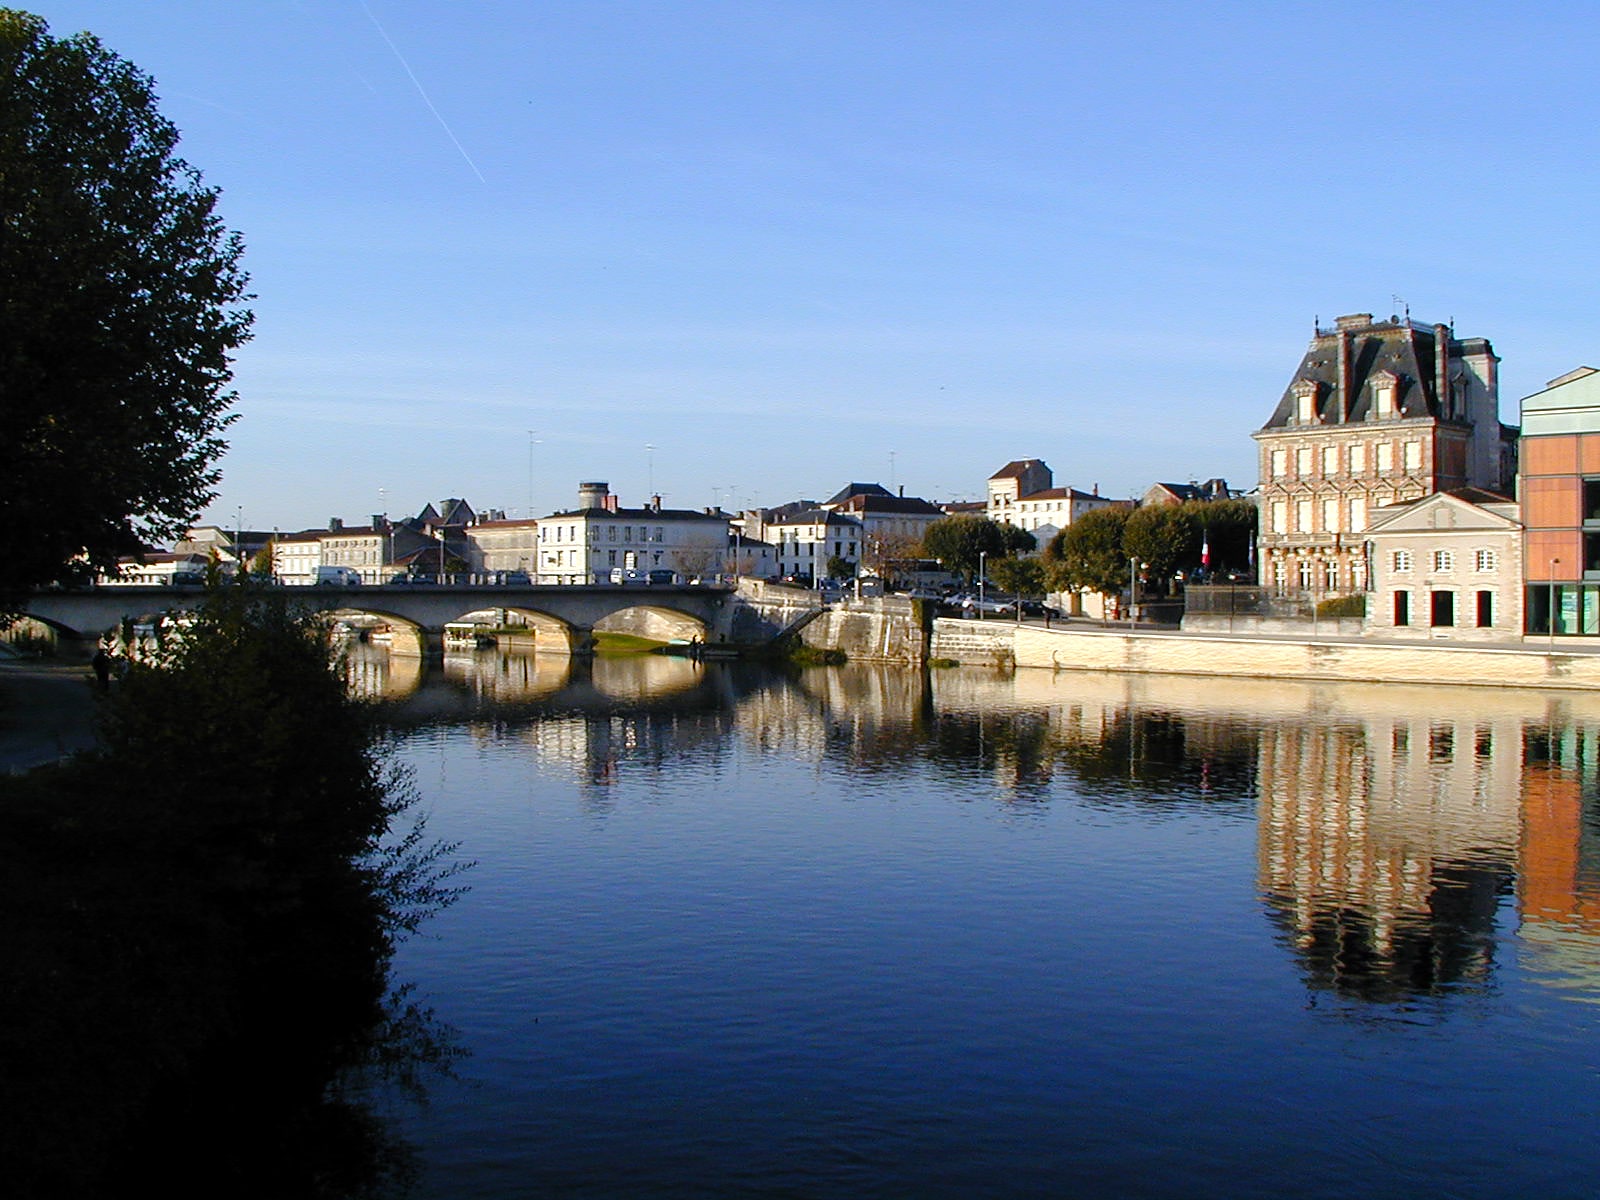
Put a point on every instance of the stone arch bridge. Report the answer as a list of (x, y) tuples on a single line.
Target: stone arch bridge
[(563, 618)]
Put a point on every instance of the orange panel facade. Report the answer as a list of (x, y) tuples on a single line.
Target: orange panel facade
[(1555, 455), (1552, 503)]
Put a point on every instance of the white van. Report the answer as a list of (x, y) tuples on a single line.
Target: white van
[(629, 575), (337, 577)]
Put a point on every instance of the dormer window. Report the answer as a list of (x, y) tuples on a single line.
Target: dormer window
[(1305, 402), (1383, 395)]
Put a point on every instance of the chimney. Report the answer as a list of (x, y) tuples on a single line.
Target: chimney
[(1346, 402), (610, 503), (655, 503), (1441, 368), (593, 495), (902, 491), (335, 524)]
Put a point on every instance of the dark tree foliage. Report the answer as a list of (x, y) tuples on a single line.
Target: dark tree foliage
[(1229, 528), (121, 302), (203, 915), (958, 541), (1088, 554), (1165, 538)]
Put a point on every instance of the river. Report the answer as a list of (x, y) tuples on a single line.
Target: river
[(876, 933)]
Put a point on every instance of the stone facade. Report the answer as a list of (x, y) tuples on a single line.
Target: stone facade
[(1378, 413), (1448, 566)]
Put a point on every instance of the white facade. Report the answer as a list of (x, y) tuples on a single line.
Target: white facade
[(584, 546), (1446, 567), (296, 557), (805, 542)]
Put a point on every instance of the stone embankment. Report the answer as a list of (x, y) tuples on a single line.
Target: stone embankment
[(891, 630)]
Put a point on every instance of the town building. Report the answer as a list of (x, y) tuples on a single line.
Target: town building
[(1378, 413), (296, 556), (587, 543), (1023, 493), (809, 540), (365, 549), (1187, 493), (1560, 494), (1447, 566), (501, 545), (891, 526)]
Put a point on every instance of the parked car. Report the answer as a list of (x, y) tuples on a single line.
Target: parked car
[(512, 579), (415, 578), (629, 575), (661, 578)]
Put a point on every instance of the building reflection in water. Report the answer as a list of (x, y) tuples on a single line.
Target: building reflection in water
[(1399, 829)]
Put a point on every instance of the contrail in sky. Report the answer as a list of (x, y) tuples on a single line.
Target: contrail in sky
[(421, 91)]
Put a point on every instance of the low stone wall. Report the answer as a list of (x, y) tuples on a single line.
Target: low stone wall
[(974, 643), (763, 612), (877, 629), (1304, 661), (1244, 624)]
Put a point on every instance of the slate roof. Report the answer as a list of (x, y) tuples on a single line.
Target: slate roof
[(816, 516), (1404, 348), (872, 502), (851, 490)]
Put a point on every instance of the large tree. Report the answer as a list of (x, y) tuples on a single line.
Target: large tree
[(959, 541), (1088, 554), (1165, 538), (121, 303)]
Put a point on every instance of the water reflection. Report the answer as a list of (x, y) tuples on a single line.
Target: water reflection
[(1398, 830)]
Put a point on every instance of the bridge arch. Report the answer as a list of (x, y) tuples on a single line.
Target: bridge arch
[(659, 622)]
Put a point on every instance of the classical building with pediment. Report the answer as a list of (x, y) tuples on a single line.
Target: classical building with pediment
[(1447, 567)]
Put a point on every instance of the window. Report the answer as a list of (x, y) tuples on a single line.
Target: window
[(1444, 560), (1302, 516), (1413, 452), (1358, 514), (1330, 575), (1280, 517), (1330, 460), (1385, 456), (1401, 561), (1330, 516), (1302, 460), (1591, 501), (1485, 609), (1307, 577), (1483, 560), (1402, 608), (1358, 459), (1443, 605)]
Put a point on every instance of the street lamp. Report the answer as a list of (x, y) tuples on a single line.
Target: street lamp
[(982, 557), (1134, 566)]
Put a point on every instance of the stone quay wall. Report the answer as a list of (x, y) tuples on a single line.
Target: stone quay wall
[(1528, 665)]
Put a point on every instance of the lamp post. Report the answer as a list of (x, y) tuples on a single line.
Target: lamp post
[(1554, 563), (983, 556), (1133, 593)]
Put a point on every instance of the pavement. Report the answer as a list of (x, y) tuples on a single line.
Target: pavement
[(46, 711)]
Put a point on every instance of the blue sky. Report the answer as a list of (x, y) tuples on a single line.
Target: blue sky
[(790, 245)]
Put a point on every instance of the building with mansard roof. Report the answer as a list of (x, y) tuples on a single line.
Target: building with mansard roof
[(1377, 413)]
